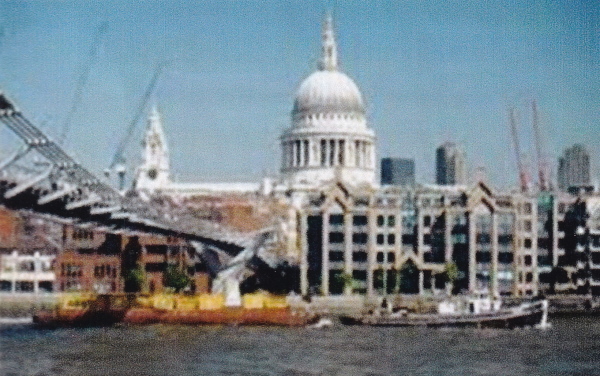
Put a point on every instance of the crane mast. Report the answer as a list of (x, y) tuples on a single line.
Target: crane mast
[(82, 81), (523, 179), (542, 172)]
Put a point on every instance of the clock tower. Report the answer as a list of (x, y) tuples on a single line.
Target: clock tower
[(153, 174)]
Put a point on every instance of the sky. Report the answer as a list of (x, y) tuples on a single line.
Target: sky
[(429, 71)]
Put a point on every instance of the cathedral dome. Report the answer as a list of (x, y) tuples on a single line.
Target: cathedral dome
[(328, 91)]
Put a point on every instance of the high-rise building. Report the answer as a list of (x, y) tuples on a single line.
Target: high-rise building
[(574, 167), (450, 165), (397, 171)]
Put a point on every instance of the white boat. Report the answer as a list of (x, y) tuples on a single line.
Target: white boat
[(475, 311)]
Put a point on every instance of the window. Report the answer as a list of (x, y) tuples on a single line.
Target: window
[(527, 225), (336, 256), (427, 239), (45, 286), (527, 260), (359, 256), (336, 219), (529, 277), (26, 266), (156, 249), (505, 257), (72, 270), (153, 267), (391, 239), (505, 239), (527, 208), (336, 237), (391, 221), (360, 275), (99, 271), (527, 243), (380, 239), (360, 220), (427, 221), (380, 256), (483, 257), (359, 238), (25, 286), (380, 220), (391, 257), (85, 251), (5, 286)]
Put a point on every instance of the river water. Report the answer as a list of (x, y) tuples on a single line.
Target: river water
[(570, 347)]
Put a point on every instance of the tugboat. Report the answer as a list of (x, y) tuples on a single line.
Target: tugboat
[(479, 311)]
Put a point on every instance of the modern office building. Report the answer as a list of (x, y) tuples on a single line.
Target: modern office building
[(574, 167), (450, 167), (397, 171)]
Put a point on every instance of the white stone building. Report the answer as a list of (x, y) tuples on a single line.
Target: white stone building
[(26, 273)]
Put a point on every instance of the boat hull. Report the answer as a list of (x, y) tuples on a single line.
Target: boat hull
[(530, 315), (145, 316)]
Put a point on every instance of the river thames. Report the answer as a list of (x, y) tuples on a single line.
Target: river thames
[(570, 347)]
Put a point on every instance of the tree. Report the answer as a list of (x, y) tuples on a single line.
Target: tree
[(135, 279), (175, 278), (347, 280), (450, 276)]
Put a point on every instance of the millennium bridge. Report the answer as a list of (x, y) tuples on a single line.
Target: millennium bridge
[(43, 178)]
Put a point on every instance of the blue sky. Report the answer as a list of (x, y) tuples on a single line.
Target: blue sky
[(430, 71)]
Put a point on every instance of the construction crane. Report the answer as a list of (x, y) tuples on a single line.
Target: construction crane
[(118, 162), (523, 177), (82, 80), (543, 178)]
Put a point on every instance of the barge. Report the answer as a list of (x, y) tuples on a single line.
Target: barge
[(103, 310), (478, 312)]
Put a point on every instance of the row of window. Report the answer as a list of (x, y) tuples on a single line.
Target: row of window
[(26, 286), (362, 256), (71, 270), (101, 271), (82, 234)]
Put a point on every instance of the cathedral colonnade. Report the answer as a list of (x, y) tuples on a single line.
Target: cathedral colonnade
[(328, 151)]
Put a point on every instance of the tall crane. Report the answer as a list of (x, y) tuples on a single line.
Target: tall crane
[(82, 80), (118, 162), (543, 177), (523, 177)]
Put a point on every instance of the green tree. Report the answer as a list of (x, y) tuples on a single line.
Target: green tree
[(450, 275), (347, 280), (135, 279), (175, 278)]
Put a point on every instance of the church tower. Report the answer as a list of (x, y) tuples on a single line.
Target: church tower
[(154, 172)]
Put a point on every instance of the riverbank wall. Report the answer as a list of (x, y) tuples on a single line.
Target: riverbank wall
[(25, 304)]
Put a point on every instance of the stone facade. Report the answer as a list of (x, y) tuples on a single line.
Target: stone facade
[(390, 240)]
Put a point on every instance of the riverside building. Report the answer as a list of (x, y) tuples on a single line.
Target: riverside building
[(354, 237), (348, 235)]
